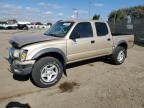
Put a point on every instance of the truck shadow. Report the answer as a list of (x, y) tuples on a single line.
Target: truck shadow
[(21, 78), (90, 61)]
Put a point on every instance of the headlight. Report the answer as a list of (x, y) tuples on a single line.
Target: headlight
[(16, 53), (23, 55)]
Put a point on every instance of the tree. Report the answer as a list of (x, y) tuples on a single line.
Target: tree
[(96, 17), (122, 14), (136, 12), (118, 15)]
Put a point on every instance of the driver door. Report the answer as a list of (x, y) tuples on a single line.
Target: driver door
[(81, 44)]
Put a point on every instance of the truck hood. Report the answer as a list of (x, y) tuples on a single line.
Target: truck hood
[(20, 41)]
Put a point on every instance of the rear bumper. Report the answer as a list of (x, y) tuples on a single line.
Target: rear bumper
[(22, 68)]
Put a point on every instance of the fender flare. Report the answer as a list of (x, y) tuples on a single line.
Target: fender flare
[(121, 42), (50, 50)]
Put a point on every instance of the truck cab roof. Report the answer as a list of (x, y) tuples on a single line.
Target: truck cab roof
[(79, 20)]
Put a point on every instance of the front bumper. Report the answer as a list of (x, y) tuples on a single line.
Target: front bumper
[(21, 68)]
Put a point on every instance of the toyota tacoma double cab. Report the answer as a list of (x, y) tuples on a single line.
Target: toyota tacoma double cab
[(44, 56)]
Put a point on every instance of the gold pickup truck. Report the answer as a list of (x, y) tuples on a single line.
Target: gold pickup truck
[(44, 56)]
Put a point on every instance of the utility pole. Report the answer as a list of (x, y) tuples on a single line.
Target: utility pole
[(90, 2), (89, 9), (76, 13)]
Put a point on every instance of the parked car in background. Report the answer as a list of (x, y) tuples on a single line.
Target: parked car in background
[(2, 23), (38, 25), (23, 25), (8, 26)]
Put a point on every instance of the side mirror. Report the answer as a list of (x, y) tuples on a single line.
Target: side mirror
[(75, 35)]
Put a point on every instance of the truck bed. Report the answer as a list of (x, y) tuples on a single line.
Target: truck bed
[(119, 34), (129, 39)]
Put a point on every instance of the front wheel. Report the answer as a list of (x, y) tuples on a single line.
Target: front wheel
[(47, 72), (119, 55)]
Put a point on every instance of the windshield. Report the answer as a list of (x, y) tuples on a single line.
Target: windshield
[(60, 29)]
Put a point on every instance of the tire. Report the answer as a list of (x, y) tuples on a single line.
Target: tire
[(119, 55), (47, 72)]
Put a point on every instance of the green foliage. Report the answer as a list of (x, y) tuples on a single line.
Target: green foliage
[(96, 17), (117, 15), (121, 14)]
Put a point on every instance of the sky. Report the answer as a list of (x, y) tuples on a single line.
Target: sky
[(54, 10)]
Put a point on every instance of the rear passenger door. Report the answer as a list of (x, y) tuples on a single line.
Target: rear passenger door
[(103, 39), (81, 44)]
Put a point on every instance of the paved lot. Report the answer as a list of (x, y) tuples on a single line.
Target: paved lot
[(91, 84)]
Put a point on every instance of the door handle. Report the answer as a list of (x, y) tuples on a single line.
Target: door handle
[(109, 39), (92, 41)]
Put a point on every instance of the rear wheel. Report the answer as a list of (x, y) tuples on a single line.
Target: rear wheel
[(119, 55), (47, 72)]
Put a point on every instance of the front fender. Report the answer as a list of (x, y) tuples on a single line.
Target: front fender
[(50, 50)]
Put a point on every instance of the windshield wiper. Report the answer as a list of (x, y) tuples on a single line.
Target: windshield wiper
[(52, 35)]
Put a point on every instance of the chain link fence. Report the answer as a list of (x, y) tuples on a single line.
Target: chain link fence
[(135, 27)]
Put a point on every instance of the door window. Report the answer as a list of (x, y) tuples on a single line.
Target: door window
[(82, 30), (101, 29)]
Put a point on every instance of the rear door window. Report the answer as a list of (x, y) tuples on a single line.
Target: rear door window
[(101, 29)]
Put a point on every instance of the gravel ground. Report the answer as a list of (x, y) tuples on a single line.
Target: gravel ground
[(93, 83)]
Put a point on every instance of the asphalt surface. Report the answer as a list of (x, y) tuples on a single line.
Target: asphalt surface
[(93, 83)]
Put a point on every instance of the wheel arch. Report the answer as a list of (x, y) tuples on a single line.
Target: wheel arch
[(53, 52), (123, 44)]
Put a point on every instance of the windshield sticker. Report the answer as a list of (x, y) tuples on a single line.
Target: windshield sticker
[(67, 24)]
